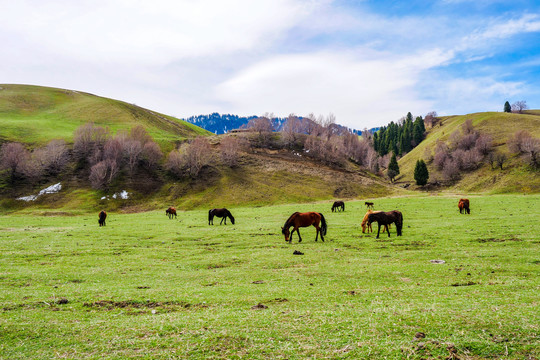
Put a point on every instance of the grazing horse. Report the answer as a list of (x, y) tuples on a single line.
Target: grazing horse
[(102, 216), (298, 220), (386, 218), (463, 206), (222, 213), (369, 204), (338, 205), (170, 212), (367, 226)]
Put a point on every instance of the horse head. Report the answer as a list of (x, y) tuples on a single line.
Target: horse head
[(285, 231)]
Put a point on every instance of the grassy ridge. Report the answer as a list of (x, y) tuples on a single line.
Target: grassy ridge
[(516, 176), (35, 115), (145, 286)]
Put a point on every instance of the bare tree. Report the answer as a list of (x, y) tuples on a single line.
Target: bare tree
[(11, 156), (176, 163), (451, 170), (230, 148), (140, 134), (516, 142), (291, 130), (501, 159), (430, 119), (151, 154), (198, 155), (531, 149), (88, 139), (519, 106), (103, 173), (56, 156), (132, 151), (484, 144)]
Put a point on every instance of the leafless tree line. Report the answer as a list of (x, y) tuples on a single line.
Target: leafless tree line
[(524, 144), (465, 151), (22, 163)]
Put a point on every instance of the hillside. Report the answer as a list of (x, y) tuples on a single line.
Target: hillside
[(35, 115), (516, 176)]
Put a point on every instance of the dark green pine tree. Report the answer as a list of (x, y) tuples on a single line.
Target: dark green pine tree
[(507, 107), (393, 168), (421, 174)]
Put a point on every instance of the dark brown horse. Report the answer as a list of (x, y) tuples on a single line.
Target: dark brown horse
[(369, 204), (386, 218), (222, 213), (298, 220), (170, 212), (366, 226), (102, 216), (338, 205), (463, 206)]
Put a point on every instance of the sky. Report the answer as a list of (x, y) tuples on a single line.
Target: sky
[(365, 62)]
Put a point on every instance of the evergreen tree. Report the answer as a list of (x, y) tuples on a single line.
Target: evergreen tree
[(421, 174), (507, 107), (393, 168)]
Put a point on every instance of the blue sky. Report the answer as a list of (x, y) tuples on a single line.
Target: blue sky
[(366, 62)]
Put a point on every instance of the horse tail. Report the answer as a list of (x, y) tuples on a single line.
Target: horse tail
[(210, 215), (324, 227)]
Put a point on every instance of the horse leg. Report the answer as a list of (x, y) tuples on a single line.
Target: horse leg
[(319, 231), (388, 231), (299, 237), (378, 230), (224, 218)]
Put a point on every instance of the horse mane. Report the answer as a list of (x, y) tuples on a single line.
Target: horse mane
[(289, 219)]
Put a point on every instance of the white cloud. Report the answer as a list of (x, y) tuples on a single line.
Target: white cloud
[(154, 32), (359, 91)]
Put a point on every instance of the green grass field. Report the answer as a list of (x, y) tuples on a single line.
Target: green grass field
[(148, 287)]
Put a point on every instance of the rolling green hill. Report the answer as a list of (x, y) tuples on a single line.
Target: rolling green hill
[(516, 176), (35, 115)]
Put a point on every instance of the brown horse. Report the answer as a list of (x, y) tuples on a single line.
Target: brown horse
[(369, 204), (338, 205), (170, 212), (102, 216), (386, 218), (463, 206), (222, 213), (367, 226), (298, 220)]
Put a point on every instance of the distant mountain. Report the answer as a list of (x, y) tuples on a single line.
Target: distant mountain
[(219, 123), (223, 123)]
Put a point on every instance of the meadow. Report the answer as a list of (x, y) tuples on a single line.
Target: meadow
[(148, 287)]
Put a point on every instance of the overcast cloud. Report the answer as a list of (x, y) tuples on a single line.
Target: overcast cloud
[(367, 62)]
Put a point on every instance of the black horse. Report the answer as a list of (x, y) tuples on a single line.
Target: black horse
[(386, 218), (102, 216), (222, 213), (338, 205)]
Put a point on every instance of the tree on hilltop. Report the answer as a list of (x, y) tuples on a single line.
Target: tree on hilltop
[(507, 107)]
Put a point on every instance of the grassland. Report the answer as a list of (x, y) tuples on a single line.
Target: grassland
[(35, 115), (148, 287)]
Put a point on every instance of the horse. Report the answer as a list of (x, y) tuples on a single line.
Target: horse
[(102, 216), (170, 212), (222, 213), (369, 204), (463, 206), (386, 218), (367, 226), (298, 220), (338, 205)]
